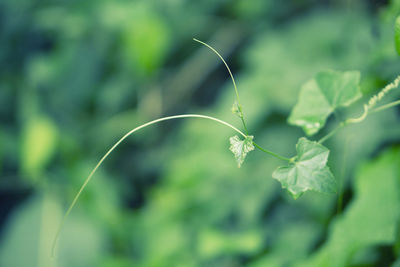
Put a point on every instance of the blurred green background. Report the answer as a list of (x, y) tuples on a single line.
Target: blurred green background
[(77, 75)]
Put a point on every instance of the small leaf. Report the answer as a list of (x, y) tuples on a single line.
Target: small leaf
[(308, 170), (397, 34), (240, 148), (236, 110), (320, 96)]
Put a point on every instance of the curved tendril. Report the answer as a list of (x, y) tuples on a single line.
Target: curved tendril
[(232, 78), (115, 146), (359, 119)]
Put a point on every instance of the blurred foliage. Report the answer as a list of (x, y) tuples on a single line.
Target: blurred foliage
[(77, 75)]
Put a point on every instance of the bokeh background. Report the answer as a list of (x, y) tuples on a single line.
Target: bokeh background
[(77, 75)]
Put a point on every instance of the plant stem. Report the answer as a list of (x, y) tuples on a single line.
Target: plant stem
[(115, 146), (332, 133), (244, 124), (368, 108), (270, 152), (238, 101), (359, 119), (233, 81), (383, 107)]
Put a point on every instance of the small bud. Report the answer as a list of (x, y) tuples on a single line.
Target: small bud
[(236, 109)]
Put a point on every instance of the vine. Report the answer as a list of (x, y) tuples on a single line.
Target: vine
[(307, 170)]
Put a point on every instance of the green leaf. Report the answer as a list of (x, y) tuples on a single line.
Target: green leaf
[(307, 171), (371, 219), (240, 148), (320, 96), (397, 34), (30, 231)]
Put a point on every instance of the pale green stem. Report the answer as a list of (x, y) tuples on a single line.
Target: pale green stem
[(233, 81), (332, 133), (116, 144), (383, 107), (344, 123), (368, 108), (238, 101), (270, 152), (359, 119)]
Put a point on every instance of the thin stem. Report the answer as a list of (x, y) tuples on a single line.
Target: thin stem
[(115, 146), (333, 132), (359, 119), (368, 108), (270, 152), (344, 123), (383, 107), (233, 81), (226, 65), (244, 123), (238, 100)]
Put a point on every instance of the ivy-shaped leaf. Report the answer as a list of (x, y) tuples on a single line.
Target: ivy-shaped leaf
[(307, 171), (320, 96), (397, 34), (240, 148)]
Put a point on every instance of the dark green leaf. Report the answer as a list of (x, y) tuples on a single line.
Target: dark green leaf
[(320, 96), (307, 171)]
